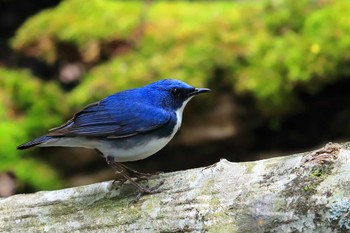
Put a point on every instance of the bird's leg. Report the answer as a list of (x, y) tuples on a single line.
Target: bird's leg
[(137, 174), (121, 170)]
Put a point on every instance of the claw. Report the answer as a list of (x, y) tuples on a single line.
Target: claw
[(146, 190), (135, 199), (121, 181), (121, 169)]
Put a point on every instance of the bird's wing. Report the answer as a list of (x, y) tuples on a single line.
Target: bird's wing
[(113, 121)]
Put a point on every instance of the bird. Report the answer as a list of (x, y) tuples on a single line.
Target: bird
[(126, 126)]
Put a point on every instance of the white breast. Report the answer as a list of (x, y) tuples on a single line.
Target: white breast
[(151, 147), (179, 114)]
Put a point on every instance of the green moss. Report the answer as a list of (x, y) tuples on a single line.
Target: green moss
[(308, 178), (321, 171), (310, 189), (317, 174)]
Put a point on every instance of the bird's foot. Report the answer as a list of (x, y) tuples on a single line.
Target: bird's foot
[(120, 181), (122, 170), (146, 190)]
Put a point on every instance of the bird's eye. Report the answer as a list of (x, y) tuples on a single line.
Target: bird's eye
[(176, 92)]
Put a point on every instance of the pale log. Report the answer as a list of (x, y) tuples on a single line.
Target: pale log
[(306, 192)]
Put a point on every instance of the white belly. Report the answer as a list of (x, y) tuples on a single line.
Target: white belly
[(135, 153)]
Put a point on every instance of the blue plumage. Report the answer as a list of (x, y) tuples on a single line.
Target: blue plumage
[(126, 126), (125, 114), (34, 142), (120, 118)]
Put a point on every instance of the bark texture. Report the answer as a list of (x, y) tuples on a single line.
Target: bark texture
[(307, 192)]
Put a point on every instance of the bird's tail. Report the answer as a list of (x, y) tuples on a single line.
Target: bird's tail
[(34, 142)]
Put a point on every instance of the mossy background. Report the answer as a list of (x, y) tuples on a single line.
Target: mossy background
[(281, 67)]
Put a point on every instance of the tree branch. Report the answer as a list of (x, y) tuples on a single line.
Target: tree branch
[(304, 192)]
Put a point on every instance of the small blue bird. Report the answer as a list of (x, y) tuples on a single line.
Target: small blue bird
[(126, 126)]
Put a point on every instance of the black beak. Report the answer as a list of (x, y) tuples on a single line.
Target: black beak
[(198, 91)]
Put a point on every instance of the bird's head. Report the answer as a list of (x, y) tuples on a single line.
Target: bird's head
[(173, 94)]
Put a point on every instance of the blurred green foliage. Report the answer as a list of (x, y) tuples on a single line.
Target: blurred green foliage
[(266, 49), (27, 106)]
